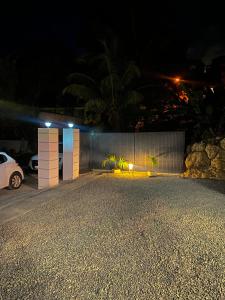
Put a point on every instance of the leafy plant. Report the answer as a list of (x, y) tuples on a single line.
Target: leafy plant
[(108, 94), (115, 162), (122, 163), (153, 161), (110, 160)]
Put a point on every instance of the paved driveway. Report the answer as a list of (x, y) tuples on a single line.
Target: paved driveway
[(103, 237)]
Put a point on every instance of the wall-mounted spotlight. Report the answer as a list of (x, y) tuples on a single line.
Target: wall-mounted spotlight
[(70, 125), (48, 124)]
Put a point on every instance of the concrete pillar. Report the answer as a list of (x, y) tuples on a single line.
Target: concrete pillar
[(71, 153), (48, 157)]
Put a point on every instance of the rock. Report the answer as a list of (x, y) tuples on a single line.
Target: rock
[(212, 151), (220, 174), (222, 143), (218, 164), (206, 159), (221, 154), (217, 174), (197, 160), (195, 173), (198, 147)]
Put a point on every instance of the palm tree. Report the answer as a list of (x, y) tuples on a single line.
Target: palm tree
[(110, 93)]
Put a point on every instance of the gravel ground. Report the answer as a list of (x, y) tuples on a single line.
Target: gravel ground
[(119, 238)]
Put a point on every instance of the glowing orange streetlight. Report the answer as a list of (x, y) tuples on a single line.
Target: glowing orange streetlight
[(177, 79)]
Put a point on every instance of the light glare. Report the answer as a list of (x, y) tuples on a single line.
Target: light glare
[(130, 166), (177, 79), (48, 124)]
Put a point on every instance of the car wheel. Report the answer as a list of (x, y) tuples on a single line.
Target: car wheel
[(15, 181)]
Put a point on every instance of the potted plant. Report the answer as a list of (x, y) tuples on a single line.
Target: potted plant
[(153, 163)]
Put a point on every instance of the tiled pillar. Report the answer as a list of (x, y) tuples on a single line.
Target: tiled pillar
[(71, 153), (48, 157)]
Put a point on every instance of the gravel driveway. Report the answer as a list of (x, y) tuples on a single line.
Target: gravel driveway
[(118, 238)]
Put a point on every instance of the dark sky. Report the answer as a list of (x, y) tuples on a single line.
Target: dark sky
[(161, 26)]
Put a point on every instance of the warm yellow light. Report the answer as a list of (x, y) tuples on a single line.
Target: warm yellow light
[(117, 171), (130, 166), (177, 79)]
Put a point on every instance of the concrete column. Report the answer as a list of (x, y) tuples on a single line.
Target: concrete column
[(71, 153), (48, 157)]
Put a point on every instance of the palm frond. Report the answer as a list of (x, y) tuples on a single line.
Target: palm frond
[(93, 111), (122, 163), (80, 91), (95, 105), (110, 160), (132, 72), (82, 60), (80, 78), (108, 82), (105, 47)]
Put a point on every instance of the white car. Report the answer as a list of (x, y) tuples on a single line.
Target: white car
[(33, 163), (11, 175)]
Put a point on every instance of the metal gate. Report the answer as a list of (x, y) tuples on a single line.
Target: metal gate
[(167, 147)]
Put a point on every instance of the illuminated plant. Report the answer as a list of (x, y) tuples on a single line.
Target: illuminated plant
[(110, 161), (115, 162), (153, 161), (122, 163)]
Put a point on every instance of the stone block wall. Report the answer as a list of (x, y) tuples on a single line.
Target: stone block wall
[(48, 157)]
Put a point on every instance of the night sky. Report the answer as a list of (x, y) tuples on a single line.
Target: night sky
[(163, 38), (174, 30)]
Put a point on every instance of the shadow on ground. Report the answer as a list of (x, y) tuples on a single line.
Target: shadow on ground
[(215, 185), (31, 178)]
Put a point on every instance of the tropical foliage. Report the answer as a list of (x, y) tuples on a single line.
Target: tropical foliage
[(114, 162), (196, 109), (110, 161), (122, 163), (153, 161), (109, 94)]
